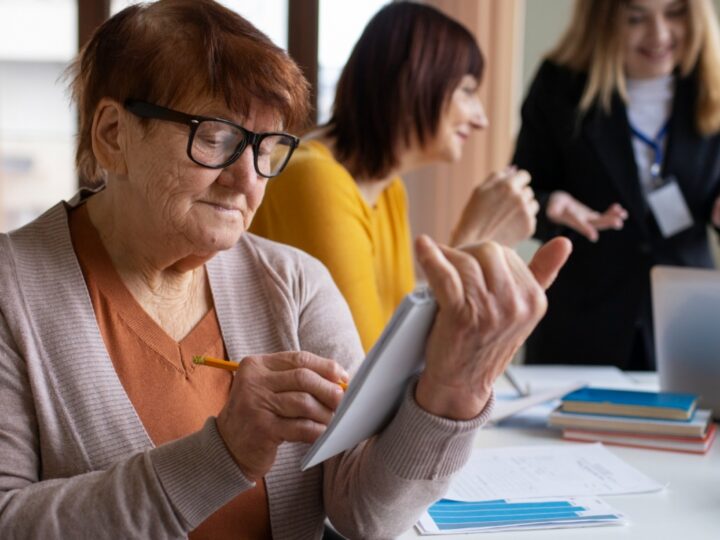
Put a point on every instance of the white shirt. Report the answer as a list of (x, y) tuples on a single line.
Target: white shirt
[(649, 107)]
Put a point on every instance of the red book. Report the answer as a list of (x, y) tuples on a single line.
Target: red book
[(692, 445)]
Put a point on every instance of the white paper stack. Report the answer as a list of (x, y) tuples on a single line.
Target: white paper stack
[(535, 487)]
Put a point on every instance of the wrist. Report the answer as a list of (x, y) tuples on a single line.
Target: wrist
[(454, 402), (224, 437), (463, 235)]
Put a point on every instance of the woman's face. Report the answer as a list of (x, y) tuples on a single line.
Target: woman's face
[(463, 114), (197, 209), (655, 33)]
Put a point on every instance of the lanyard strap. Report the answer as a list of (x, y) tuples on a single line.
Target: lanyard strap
[(655, 144)]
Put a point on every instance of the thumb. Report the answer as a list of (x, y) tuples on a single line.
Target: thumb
[(441, 275), (549, 259)]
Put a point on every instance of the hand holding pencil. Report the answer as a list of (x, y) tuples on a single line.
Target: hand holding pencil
[(274, 398), (230, 365)]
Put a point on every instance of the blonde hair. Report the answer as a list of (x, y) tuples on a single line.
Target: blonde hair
[(593, 44)]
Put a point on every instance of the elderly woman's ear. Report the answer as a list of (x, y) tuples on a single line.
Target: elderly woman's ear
[(108, 133)]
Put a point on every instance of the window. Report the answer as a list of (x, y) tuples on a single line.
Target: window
[(37, 123), (341, 24)]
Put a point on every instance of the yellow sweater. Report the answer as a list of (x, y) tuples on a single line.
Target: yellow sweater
[(315, 205)]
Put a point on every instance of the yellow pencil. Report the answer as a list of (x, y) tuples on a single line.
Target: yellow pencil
[(232, 366)]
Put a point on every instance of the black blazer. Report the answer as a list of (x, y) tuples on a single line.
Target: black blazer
[(599, 308)]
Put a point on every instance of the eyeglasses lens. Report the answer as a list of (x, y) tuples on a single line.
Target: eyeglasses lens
[(215, 143)]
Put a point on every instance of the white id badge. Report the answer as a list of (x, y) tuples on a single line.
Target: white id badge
[(669, 208)]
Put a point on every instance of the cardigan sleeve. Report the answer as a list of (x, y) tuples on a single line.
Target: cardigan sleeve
[(379, 488)]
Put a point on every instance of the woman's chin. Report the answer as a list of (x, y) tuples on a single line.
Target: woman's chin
[(213, 243)]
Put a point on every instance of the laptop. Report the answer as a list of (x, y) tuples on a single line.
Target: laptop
[(686, 317)]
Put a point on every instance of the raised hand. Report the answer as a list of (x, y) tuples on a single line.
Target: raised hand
[(289, 396), (564, 209), (502, 209), (489, 301)]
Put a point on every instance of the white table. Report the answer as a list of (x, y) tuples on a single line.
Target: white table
[(687, 509)]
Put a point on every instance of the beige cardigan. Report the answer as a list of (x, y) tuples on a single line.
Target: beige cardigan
[(76, 462)]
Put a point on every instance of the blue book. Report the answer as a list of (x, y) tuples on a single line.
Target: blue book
[(608, 401)]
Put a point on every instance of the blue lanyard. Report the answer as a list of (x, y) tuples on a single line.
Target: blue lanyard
[(655, 144)]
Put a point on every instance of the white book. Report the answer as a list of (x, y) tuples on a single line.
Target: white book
[(377, 389)]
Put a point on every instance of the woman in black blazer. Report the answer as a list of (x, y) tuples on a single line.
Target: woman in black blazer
[(609, 185)]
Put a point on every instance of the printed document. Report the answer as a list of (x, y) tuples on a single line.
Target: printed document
[(546, 471)]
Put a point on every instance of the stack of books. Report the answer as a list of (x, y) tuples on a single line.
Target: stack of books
[(659, 420)]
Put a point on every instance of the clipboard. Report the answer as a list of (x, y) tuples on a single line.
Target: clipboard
[(377, 389)]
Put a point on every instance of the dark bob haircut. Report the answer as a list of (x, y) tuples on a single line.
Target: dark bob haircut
[(396, 84), (173, 51)]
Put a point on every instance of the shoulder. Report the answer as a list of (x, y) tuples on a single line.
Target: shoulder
[(396, 189), (395, 199), (282, 258), (312, 178), (313, 164), (36, 260), (287, 292), (37, 240), (554, 82), (286, 267)]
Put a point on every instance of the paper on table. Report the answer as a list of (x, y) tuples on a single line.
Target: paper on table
[(505, 407), (546, 471), (543, 377)]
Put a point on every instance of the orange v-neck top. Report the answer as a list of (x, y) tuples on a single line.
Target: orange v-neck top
[(172, 396)]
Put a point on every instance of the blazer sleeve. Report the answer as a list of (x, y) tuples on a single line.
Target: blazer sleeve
[(538, 149)]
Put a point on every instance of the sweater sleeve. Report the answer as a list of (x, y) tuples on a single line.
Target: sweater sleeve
[(316, 207), (379, 488), (161, 493)]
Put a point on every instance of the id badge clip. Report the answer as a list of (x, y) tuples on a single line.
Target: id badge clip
[(668, 206)]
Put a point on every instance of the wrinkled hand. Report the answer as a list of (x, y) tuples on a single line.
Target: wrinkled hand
[(274, 398), (564, 209), (716, 213), (502, 209), (489, 301)]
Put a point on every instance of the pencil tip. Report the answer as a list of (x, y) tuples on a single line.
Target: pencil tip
[(198, 359)]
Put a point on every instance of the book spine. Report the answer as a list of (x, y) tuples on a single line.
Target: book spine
[(643, 446)]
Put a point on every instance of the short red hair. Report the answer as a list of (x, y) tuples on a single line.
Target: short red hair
[(175, 50)]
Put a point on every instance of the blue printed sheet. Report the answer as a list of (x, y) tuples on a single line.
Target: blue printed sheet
[(446, 516)]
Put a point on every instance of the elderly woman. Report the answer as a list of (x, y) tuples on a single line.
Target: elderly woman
[(108, 429)]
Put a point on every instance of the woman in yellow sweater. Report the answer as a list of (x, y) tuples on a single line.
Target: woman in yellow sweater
[(407, 97)]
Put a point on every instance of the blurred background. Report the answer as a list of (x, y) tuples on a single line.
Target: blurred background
[(38, 38)]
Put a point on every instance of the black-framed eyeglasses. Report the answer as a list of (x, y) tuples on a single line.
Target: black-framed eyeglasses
[(217, 143)]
